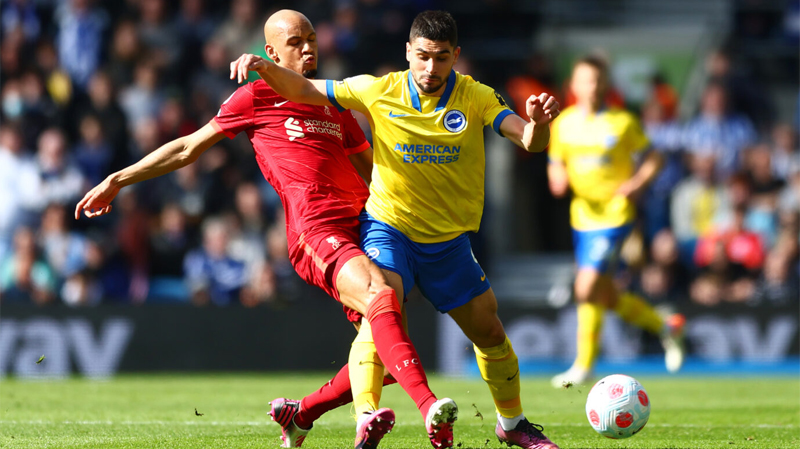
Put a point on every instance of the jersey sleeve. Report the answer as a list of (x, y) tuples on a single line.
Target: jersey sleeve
[(555, 152), (636, 138), (354, 139), (495, 108), (351, 93), (236, 113)]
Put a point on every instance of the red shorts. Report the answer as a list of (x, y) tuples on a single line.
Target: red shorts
[(321, 253)]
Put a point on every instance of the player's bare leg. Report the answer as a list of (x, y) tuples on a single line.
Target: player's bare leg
[(499, 367)]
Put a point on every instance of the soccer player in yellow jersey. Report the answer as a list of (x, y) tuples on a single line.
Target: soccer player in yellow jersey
[(594, 150), (427, 192)]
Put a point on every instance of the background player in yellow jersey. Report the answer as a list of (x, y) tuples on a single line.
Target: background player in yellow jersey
[(594, 150), (427, 191)]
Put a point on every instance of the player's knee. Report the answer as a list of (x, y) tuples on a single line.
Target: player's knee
[(585, 284), (383, 301)]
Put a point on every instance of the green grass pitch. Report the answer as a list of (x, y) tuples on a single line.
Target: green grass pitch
[(158, 411)]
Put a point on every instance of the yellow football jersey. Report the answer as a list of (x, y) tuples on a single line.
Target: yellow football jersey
[(598, 151), (429, 162)]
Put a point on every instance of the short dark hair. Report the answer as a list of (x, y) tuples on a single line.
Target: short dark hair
[(436, 26), (594, 61)]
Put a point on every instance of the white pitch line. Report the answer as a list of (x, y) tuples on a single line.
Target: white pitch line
[(201, 422)]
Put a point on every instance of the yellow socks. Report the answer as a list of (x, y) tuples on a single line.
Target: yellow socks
[(500, 369), (635, 310), (590, 323), (366, 371)]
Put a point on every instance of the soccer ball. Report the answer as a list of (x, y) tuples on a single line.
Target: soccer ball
[(617, 406)]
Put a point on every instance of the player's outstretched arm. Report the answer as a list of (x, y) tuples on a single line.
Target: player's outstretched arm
[(287, 83), (169, 157), (534, 135)]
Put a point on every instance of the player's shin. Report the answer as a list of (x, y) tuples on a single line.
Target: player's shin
[(396, 350), (335, 393), (366, 371), (636, 310), (499, 367), (590, 323)]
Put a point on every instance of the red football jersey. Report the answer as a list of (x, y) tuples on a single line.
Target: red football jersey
[(302, 151)]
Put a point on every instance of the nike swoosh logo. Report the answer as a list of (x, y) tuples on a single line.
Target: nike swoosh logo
[(362, 362), (483, 278), (393, 115), (277, 105), (512, 377)]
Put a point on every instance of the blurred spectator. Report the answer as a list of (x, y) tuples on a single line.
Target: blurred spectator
[(92, 153), (779, 282), (747, 94), (160, 35), (729, 259), (105, 267), (664, 134), (785, 153), (143, 99), (212, 275), (24, 276), (169, 244), (102, 104), (211, 85), (10, 49), (126, 50), (80, 289), (696, 204), (195, 26), (38, 111), (56, 79), (11, 161), (132, 236), (50, 178), (21, 15), (80, 38), (762, 216), (719, 131), (173, 122), (63, 250), (665, 96), (242, 27), (664, 278)]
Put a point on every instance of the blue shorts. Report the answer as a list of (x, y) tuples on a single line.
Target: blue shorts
[(599, 248), (447, 273)]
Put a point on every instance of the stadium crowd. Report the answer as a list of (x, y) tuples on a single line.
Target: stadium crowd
[(89, 87)]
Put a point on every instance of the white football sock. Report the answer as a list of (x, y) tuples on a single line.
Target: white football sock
[(509, 423)]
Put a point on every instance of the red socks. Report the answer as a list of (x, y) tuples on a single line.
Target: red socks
[(333, 394), (396, 350)]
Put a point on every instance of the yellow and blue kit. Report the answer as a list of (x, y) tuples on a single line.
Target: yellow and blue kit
[(599, 152), (427, 186)]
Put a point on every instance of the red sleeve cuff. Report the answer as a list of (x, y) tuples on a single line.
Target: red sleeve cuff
[(355, 150)]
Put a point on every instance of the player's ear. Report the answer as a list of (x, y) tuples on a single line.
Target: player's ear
[(271, 53), (456, 52), (408, 51)]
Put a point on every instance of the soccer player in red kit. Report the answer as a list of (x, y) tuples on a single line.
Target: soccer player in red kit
[(307, 154)]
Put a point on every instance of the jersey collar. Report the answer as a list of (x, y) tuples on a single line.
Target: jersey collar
[(412, 89)]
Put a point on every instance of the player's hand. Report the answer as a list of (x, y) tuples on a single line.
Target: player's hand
[(630, 189), (244, 64), (542, 109), (97, 201)]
